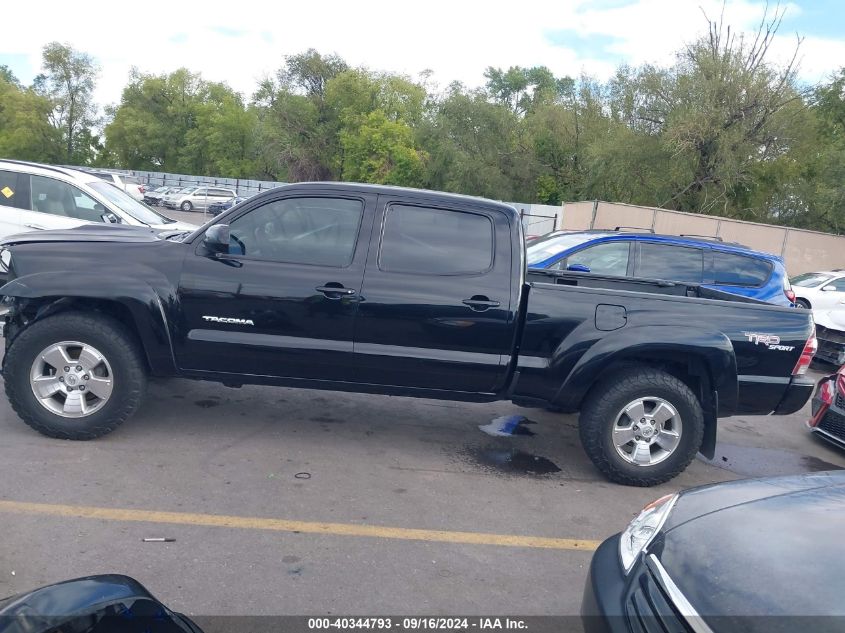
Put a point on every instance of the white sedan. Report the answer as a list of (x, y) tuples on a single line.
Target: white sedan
[(819, 291)]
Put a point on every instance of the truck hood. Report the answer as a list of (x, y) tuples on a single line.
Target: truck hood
[(92, 233)]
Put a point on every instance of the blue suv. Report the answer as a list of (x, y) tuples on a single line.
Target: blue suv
[(713, 264)]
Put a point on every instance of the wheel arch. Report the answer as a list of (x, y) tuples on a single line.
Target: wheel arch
[(704, 361), (139, 308)]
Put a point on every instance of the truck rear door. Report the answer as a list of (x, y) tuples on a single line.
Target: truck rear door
[(438, 306)]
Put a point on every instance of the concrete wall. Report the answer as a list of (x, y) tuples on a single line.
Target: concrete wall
[(802, 251)]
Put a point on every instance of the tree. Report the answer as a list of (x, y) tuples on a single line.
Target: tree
[(25, 130), (68, 81), (8, 76), (716, 111)]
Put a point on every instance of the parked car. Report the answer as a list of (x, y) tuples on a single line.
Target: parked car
[(154, 196), (37, 197), (748, 556), (190, 198), (714, 264), (270, 292), (830, 326), (828, 418), (130, 184), (219, 207), (107, 603), (820, 290)]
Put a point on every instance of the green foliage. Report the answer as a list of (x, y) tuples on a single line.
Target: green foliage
[(68, 81), (25, 130), (722, 130)]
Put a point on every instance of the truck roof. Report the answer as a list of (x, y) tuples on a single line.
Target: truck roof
[(411, 191)]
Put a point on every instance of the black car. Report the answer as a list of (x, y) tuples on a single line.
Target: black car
[(216, 208), (95, 604), (744, 556), (828, 421)]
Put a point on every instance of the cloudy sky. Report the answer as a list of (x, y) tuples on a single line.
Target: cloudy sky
[(239, 42)]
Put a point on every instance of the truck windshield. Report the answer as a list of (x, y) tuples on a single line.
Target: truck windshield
[(128, 204), (549, 246)]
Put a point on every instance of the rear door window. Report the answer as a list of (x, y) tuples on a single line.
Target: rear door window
[(739, 270), (12, 194), (670, 262), (428, 241)]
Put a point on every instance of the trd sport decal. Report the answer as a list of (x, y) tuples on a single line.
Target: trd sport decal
[(769, 340), (216, 319)]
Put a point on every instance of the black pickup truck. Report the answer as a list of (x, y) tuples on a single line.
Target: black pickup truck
[(391, 291)]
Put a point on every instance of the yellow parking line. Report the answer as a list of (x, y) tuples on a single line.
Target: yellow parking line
[(285, 525)]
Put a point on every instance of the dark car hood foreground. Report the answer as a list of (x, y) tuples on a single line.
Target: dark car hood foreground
[(80, 603), (87, 233), (768, 547)]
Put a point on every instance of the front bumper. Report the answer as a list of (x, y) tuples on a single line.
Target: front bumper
[(602, 609), (831, 345), (830, 423)]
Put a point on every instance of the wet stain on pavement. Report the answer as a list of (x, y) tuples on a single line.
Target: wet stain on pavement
[(206, 404), (752, 461), (290, 559), (511, 461), (326, 419)]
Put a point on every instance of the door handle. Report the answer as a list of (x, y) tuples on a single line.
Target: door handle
[(480, 303), (335, 292)]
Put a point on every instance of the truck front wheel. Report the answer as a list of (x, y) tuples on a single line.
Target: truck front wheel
[(74, 375), (641, 426)]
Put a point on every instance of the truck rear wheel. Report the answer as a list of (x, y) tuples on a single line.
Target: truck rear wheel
[(74, 375), (641, 426)]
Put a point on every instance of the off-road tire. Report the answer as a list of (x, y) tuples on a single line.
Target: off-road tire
[(104, 333), (606, 400)]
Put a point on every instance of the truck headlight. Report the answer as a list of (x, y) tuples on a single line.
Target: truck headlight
[(642, 530)]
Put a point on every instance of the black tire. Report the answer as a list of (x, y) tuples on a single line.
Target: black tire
[(802, 303), (187, 206), (104, 333), (607, 399)]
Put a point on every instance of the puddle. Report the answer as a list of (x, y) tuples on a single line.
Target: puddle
[(326, 419), (507, 425), (511, 462), (752, 461)]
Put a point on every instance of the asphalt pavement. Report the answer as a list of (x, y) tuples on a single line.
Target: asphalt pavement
[(285, 501)]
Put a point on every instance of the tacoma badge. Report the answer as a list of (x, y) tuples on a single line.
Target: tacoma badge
[(216, 319)]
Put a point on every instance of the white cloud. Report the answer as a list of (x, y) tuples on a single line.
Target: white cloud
[(455, 39)]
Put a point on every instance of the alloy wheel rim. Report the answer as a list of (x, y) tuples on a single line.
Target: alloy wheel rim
[(647, 431), (71, 379)]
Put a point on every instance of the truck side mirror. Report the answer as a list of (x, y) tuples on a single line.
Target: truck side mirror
[(216, 238), (110, 218), (578, 268), (830, 288)]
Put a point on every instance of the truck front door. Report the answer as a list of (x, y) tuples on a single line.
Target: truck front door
[(283, 300), (438, 302)]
